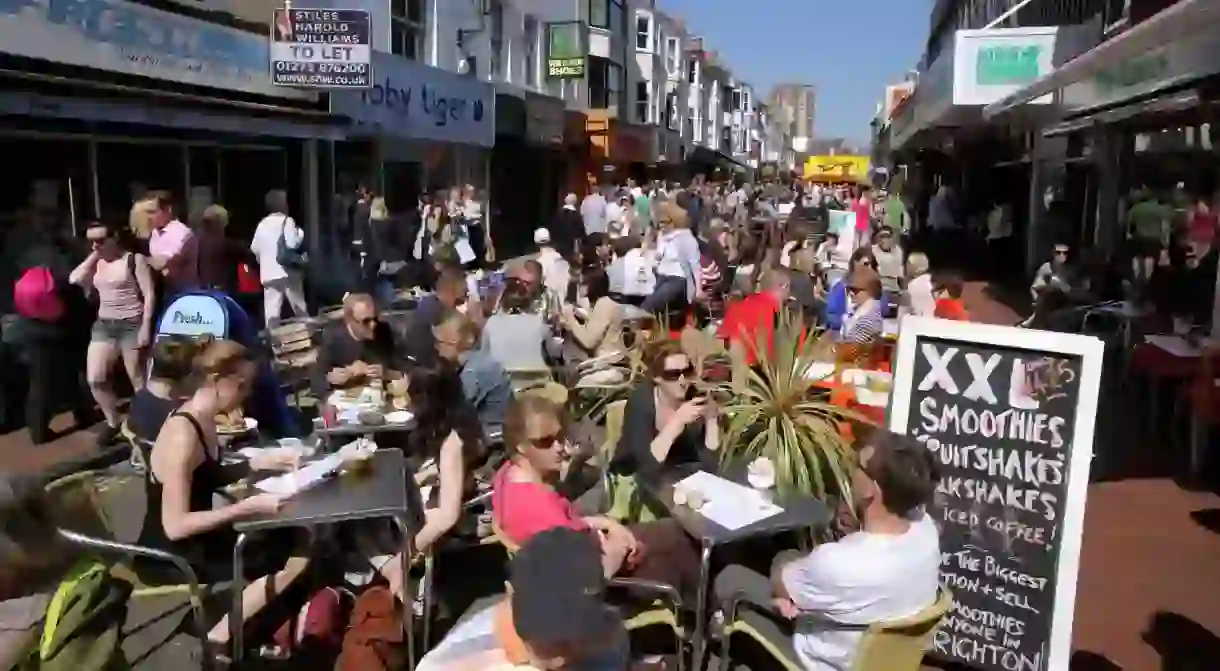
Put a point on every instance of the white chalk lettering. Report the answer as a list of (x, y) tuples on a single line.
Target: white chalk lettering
[(980, 387), (976, 652)]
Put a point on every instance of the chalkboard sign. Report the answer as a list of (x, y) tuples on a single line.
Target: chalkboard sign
[(1009, 414)]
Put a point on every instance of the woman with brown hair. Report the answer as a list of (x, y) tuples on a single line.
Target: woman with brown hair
[(838, 302), (525, 502), (185, 474)]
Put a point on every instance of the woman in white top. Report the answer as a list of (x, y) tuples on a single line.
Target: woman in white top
[(919, 286), (278, 282), (679, 275)]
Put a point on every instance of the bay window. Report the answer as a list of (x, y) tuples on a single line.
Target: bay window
[(673, 57), (605, 83), (642, 101)]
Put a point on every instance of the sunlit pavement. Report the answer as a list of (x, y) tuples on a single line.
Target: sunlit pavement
[(1149, 586)]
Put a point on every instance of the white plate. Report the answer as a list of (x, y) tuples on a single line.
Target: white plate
[(399, 417)]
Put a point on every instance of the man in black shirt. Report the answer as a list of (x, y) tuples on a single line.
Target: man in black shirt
[(359, 346), (451, 293)]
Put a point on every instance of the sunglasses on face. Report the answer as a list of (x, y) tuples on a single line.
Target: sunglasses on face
[(549, 441), (370, 322), (673, 375)]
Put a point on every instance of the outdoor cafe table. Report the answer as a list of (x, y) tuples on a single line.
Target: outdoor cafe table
[(798, 513), (379, 494)]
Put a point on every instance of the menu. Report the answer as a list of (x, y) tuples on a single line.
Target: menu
[(1010, 424)]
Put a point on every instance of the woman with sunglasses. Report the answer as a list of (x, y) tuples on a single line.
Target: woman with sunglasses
[(525, 502), (837, 303), (667, 423), (865, 323), (123, 282)]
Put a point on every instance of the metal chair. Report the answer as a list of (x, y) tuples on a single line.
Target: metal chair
[(663, 610), (895, 645), (80, 504)]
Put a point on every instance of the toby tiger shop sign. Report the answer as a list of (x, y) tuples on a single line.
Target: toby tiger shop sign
[(414, 101)]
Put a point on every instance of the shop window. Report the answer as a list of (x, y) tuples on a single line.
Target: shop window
[(407, 28), (127, 169), (608, 15), (246, 175), (643, 101), (644, 32), (203, 182), (605, 83), (531, 34)]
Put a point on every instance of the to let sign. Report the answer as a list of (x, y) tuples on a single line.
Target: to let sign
[(321, 48), (1009, 415)]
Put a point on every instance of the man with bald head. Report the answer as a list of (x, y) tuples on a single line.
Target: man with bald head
[(359, 346)]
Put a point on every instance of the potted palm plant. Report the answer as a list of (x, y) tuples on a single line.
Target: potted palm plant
[(777, 414)]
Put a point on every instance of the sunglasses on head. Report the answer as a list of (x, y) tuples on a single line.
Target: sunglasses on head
[(672, 375)]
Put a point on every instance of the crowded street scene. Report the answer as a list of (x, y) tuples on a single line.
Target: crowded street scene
[(609, 335)]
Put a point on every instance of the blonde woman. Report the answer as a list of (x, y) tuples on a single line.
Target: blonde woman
[(679, 272), (919, 286)]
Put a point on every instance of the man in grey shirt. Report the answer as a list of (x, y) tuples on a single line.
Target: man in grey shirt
[(593, 211)]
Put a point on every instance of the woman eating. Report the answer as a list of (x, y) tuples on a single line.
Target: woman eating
[(185, 475), (667, 425), (447, 436), (126, 305), (525, 502)]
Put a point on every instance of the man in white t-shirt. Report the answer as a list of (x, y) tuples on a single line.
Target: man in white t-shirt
[(887, 570), (556, 271)]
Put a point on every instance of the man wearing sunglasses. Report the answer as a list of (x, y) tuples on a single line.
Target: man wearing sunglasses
[(360, 346)]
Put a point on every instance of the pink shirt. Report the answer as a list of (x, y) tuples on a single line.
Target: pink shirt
[(177, 243), (863, 213), (522, 509), (118, 292)]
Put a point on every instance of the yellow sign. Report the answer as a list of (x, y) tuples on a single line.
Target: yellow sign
[(845, 168)]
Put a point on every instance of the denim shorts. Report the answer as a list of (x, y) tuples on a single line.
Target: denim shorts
[(124, 333)]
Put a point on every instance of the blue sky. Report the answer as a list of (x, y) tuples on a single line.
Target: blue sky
[(849, 49)]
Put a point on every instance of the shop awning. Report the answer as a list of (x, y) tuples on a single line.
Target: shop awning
[(1184, 19)]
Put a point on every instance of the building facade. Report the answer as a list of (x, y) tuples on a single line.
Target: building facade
[(799, 103)]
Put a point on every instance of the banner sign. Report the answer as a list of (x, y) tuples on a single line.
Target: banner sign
[(321, 48), (566, 50), (1009, 415), (843, 168)]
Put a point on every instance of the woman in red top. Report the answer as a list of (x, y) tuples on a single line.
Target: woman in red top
[(1202, 224), (947, 290), (525, 502)]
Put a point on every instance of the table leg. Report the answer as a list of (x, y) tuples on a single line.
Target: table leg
[(408, 599), (699, 639), (235, 612)]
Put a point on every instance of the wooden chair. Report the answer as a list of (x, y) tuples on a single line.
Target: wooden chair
[(661, 604), (896, 645), (88, 508), (293, 355)]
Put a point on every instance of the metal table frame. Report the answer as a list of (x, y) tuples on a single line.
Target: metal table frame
[(798, 514), (386, 460)]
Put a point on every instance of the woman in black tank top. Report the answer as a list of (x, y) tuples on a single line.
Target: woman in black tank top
[(185, 473)]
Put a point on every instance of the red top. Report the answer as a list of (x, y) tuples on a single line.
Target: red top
[(950, 308), (522, 509), (863, 212), (746, 318), (1202, 227)]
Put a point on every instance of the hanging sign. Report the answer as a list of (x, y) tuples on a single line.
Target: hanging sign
[(566, 49), (321, 48), (1009, 415)]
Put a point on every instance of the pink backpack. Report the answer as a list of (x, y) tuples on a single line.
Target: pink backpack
[(35, 296)]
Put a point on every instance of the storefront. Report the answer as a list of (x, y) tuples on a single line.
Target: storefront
[(1141, 106), (95, 115), (428, 130), (621, 151), (578, 152)]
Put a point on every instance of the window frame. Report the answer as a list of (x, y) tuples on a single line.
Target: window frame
[(642, 102), (613, 97), (409, 27), (649, 35), (692, 72), (533, 50), (673, 56), (611, 9)]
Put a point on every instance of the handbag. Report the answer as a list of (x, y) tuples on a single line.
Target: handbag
[(291, 259)]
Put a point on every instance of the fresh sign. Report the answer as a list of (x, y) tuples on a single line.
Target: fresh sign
[(321, 48)]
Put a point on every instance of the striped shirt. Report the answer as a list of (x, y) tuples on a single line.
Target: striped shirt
[(862, 328)]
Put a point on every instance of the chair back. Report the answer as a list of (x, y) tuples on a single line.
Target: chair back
[(78, 502), (293, 348), (899, 645)]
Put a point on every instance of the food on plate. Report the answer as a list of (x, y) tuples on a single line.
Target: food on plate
[(231, 422), (398, 388), (400, 402)]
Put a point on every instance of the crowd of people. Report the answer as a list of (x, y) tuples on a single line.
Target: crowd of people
[(726, 259)]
